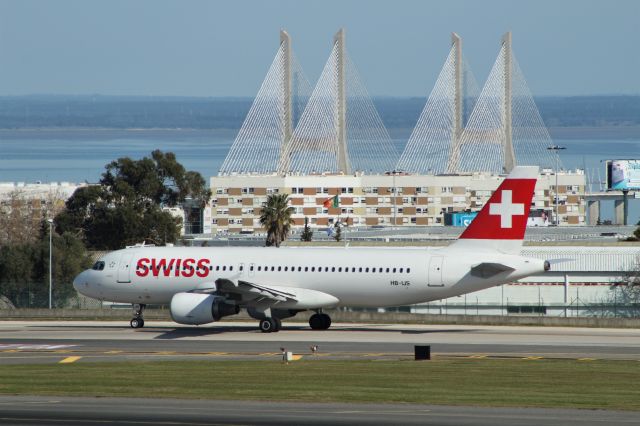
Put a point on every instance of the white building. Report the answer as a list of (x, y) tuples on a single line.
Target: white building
[(372, 200)]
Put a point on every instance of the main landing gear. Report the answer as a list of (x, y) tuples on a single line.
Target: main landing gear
[(270, 325), (320, 321), (137, 321)]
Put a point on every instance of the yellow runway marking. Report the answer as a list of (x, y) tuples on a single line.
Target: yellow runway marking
[(295, 357), (113, 352), (478, 356), (533, 358), (586, 359), (70, 359)]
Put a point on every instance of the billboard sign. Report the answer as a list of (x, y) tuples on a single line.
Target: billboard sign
[(623, 175), (459, 219)]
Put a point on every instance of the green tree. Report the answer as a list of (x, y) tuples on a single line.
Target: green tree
[(276, 218), (24, 269), (307, 233), (126, 207)]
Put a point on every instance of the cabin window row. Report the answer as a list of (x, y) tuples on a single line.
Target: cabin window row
[(328, 269)]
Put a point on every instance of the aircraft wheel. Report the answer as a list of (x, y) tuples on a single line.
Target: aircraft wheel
[(278, 322), (136, 323), (268, 325), (326, 321), (316, 322)]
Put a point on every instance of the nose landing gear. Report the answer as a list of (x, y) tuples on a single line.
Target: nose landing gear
[(137, 321)]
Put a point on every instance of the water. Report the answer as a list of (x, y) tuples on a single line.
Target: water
[(79, 156)]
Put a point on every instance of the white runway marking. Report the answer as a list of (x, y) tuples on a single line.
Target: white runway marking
[(41, 347)]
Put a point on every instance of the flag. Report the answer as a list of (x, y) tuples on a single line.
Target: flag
[(331, 202)]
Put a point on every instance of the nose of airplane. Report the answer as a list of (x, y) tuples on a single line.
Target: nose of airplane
[(80, 281)]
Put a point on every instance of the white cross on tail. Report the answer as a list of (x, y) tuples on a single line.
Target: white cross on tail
[(506, 209)]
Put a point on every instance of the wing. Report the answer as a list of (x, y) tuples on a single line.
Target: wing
[(489, 269), (248, 294)]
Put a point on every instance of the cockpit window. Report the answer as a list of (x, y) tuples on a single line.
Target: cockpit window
[(98, 266)]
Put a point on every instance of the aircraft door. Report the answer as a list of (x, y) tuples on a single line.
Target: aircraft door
[(124, 268), (435, 271)]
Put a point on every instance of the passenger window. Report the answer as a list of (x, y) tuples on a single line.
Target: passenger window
[(387, 270), (286, 268), (326, 269), (359, 269), (394, 270), (279, 268), (231, 268), (210, 268), (313, 269), (273, 268), (353, 269), (366, 270), (217, 267), (400, 270), (340, 269), (224, 268), (259, 268), (408, 270), (306, 269), (299, 268)]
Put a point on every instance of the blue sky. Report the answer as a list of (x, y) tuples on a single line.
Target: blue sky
[(223, 48)]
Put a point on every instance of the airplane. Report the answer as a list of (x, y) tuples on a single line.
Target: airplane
[(201, 285)]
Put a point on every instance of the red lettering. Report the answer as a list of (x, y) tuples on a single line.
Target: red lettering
[(167, 270), (188, 268), (203, 268), (142, 267), (177, 274), (157, 265), (163, 267)]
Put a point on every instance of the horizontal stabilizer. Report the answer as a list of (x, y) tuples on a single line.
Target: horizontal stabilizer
[(488, 269)]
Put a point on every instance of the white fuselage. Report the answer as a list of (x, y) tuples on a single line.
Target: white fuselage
[(358, 277)]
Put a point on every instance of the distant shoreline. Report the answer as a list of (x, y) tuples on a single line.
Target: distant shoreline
[(574, 132)]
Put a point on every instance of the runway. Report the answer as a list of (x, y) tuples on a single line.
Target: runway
[(50, 342), (122, 411)]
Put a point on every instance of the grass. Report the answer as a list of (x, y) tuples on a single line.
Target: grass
[(483, 382)]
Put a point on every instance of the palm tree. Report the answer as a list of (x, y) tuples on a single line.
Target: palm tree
[(276, 218)]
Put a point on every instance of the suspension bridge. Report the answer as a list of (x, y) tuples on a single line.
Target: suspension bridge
[(334, 128)]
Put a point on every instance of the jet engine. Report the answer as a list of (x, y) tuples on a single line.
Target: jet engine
[(196, 308)]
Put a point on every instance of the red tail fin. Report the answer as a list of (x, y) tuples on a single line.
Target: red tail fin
[(505, 215)]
